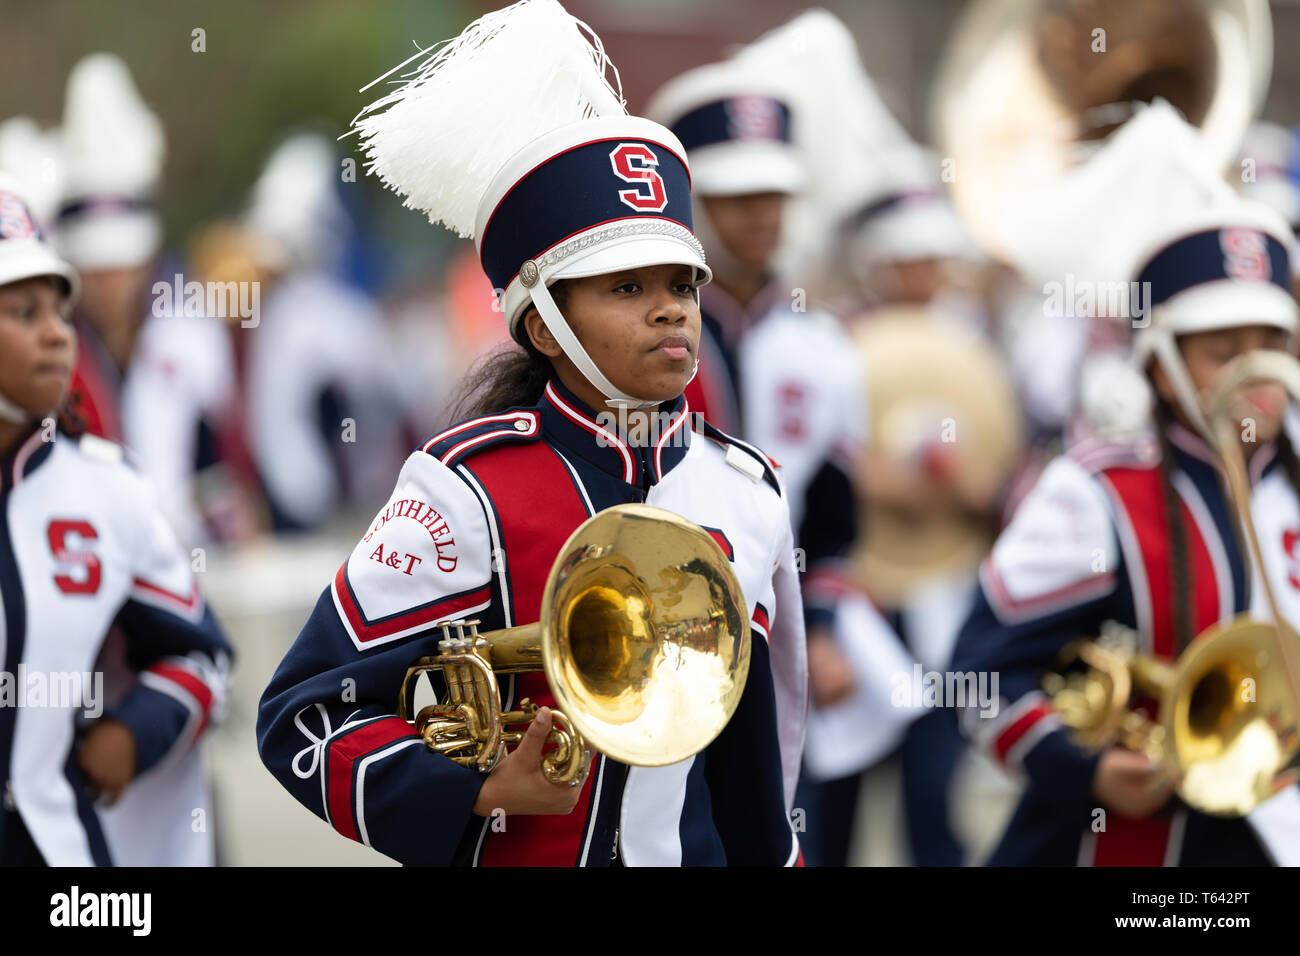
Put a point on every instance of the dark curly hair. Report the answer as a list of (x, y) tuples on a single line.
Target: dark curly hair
[(510, 377)]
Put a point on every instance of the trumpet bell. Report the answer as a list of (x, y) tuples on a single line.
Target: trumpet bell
[(1232, 725), (643, 638)]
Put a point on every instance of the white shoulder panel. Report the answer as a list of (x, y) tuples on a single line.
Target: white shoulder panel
[(426, 557)]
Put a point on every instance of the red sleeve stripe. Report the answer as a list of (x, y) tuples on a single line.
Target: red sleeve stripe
[(760, 619), (184, 686), (365, 634), (827, 585), (190, 606), (344, 753), (1021, 726)]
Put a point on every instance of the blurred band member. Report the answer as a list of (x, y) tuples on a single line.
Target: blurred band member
[(148, 374)]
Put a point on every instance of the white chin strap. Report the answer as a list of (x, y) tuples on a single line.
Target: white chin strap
[(1165, 350), (10, 412), (559, 328)]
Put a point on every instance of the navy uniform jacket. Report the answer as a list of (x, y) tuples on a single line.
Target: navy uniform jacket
[(471, 530), (1090, 544)]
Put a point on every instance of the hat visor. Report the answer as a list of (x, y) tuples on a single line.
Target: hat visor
[(1227, 304), (741, 168), (634, 252), (111, 241), (928, 230), (27, 259)]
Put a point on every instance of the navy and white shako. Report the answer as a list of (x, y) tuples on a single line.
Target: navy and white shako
[(590, 198), (561, 183), (736, 126)]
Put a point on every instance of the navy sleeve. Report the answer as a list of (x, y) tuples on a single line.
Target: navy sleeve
[(327, 730), (743, 770)]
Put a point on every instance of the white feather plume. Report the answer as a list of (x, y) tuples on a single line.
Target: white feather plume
[(112, 141), (853, 146), (31, 155), (473, 102)]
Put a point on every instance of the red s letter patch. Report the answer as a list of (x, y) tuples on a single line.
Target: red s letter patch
[(57, 533), (635, 163)]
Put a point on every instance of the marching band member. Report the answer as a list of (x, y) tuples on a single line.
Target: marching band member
[(343, 360), (582, 215), (1141, 531), (85, 554), (736, 127), (159, 381)]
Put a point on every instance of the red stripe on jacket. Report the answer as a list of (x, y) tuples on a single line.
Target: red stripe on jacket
[(1139, 493), (1019, 727), (425, 615), (539, 508), (344, 752), (192, 685)]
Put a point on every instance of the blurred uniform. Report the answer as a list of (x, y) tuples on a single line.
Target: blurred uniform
[(1140, 531), (167, 396), (87, 561), (297, 413)]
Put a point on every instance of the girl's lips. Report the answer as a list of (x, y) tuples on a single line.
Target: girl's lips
[(675, 347)]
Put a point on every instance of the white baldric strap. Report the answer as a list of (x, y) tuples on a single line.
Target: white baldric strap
[(1165, 349), (559, 328)]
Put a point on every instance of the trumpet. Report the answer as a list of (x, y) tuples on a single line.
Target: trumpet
[(1227, 726), (643, 640)]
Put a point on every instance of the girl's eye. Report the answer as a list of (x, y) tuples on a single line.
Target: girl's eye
[(628, 287), (685, 288)]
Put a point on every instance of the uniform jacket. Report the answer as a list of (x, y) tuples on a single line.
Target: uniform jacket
[(84, 550), (1089, 544), (790, 383), (471, 530)]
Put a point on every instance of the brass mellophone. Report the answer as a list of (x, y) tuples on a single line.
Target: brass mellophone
[(643, 638), (1227, 725)]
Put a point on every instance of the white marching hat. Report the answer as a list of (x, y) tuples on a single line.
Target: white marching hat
[(736, 126), (24, 252), (112, 155), (295, 215), (512, 135), (31, 155), (1149, 208)]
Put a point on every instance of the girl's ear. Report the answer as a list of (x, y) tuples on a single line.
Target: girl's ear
[(540, 335)]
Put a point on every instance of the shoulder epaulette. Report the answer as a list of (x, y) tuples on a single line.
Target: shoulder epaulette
[(1095, 456), (101, 449), (477, 434), (745, 458)]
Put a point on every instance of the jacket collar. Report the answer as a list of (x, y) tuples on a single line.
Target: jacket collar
[(600, 438), (733, 318), (25, 457), (1190, 448)]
